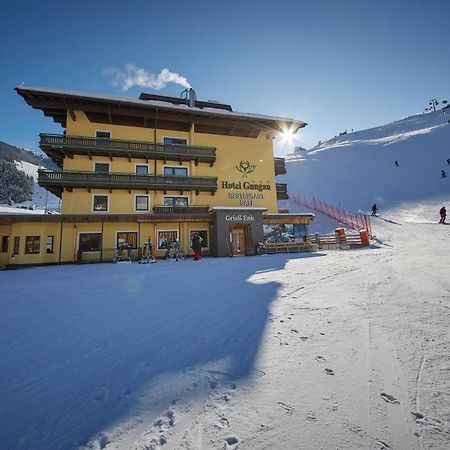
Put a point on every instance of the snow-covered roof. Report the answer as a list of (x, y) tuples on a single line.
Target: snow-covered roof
[(237, 208), (23, 90)]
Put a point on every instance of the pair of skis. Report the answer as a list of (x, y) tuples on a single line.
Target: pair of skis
[(147, 261)]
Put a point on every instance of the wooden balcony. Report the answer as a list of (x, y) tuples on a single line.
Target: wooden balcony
[(183, 210), (58, 146), (282, 193), (56, 182), (280, 166)]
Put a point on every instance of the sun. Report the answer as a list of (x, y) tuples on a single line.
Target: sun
[(287, 137)]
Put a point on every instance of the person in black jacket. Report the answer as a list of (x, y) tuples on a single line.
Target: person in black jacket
[(443, 214), (374, 209)]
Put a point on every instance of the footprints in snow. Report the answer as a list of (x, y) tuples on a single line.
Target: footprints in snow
[(418, 417), (287, 408), (323, 360), (389, 398)]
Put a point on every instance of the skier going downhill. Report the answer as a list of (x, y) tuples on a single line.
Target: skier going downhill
[(374, 209)]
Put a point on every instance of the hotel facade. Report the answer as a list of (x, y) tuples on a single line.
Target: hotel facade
[(159, 168)]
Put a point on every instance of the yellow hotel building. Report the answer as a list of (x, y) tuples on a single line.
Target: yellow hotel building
[(158, 168)]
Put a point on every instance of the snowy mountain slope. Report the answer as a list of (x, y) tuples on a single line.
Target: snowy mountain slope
[(29, 169), (41, 197), (357, 169)]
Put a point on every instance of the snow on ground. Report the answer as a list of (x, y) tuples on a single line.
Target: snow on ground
[(324, 350)]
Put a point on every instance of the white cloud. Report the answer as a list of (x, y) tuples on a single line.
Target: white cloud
[(132, 75)]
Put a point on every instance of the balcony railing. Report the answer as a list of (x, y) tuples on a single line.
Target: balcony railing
[(57, 181), (282, 193), (58, 146), (280, 166), (181, 209)]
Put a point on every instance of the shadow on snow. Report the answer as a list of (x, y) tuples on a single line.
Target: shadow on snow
[(74, 339)]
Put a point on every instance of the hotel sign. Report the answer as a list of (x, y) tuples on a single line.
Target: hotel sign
[(245, 198), (239, 218)]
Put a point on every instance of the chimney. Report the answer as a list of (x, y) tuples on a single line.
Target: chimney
[(192, 97)]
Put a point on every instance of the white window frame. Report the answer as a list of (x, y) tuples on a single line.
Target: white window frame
[(176, 167), (103, 131), (89, 232), (178, 196), (141, 195), (146, 165), (165, 231), (101, 162), (190, 230), (175, 137), (100, 195)]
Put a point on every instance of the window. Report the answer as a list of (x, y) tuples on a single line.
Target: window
[(103, 134), (32, 244), (127, 237), (175, 171), (165, 237), (100, 203), (141, 203), (101, 167), (50, 240), (141, 169), (16, 245), (176, 201), (203, 234), (174, 141), (90, 242), (284, 232), (5, 243)]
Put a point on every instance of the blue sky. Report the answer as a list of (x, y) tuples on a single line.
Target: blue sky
[(334, 64)]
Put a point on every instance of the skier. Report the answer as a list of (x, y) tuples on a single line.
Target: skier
[(443, 174), (396, 163), (374, 209), (448, 161), (443, 213)]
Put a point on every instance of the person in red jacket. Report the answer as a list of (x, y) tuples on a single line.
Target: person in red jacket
[(196, 245)]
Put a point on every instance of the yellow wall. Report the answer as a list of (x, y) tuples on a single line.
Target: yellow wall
[(42, 229), (230, 151), (70, 239)]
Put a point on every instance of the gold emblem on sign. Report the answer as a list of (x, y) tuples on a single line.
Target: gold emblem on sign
[(245, 168)]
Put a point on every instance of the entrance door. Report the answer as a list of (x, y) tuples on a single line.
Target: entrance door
[(238, 241)]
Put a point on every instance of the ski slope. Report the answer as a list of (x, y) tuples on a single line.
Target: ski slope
[(41, 199), (357, 169)]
